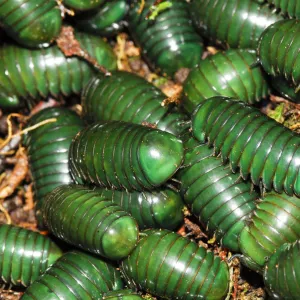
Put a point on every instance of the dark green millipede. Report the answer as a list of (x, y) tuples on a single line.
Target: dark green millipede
[(156, 209), (130, 98), (282, 272), (275, 221), (229, 74), (24, 255), (48, 151), (32, 23), (222, 202), (253, 143), (106, 20), (170, 266), (75, 276), (278, 51), (28, 75), (124, 156), (169, 42), (83, 5), (84, 218), (122, 295), (232, 23)]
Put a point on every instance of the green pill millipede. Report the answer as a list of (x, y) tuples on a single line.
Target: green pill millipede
[(275, 221), (252, 142), (278, 51), (122, 295), (75, 276), (232, 23), (169, 42), (32, 23), (124, 156), (215, 195), (106, 20), (24, 255), (130, 98), (282, 272), (157, 209), (83, 5), (48, 151), (28, 75), (82, 217), (228, 74), (170, 266)]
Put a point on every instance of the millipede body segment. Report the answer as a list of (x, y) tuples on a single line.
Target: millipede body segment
[(127, 97), (124, 156), (253, 144), (170, 266), (24, 255)]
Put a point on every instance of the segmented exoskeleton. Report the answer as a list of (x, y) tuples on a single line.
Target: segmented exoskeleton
[(228, 74), (83, 5), (24, 255), (278, 51), (285, 89), (169, 41), (158, 209), (170, 266), (252, 142), (222, 202), (124, 156), (130, 98), (232, 23), (122, 295), (28, 75), (290, 8), (282, 272), (106, 20), (76, 275), (275, 221), (32, 23), (84, 218), (48, 151)]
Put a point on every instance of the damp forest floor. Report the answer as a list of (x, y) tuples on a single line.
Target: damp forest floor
[(16, 191)]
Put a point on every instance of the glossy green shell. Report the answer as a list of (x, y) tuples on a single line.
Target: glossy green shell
[(275, 221), (48, 151), (124, 156), (282, 272), (169, 42), (170, 266), (228, 74), (83, 5), (122, 295), (278, 51), (84, 218), (252, 142), (158, 209), (127, 97), (285, 89), (32, 23), (75, 276), (213, 193), (106, 20), (232, 23), (290, 8), (24, 255), (29, 75)]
